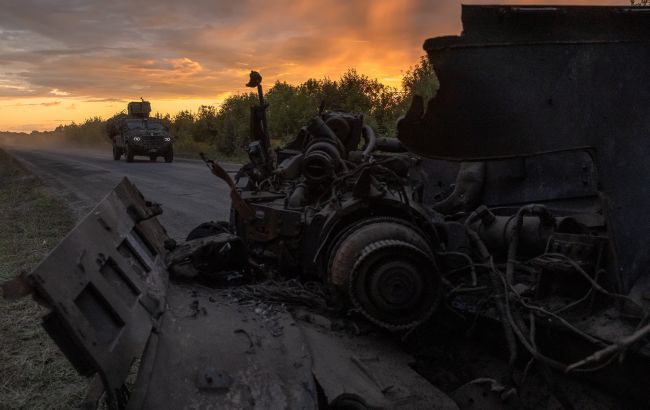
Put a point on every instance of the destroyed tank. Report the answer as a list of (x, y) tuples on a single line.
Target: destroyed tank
[(490, 257), (137, 134)]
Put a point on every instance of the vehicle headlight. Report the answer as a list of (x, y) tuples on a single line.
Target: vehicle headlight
[(167, 139), (136, 139)]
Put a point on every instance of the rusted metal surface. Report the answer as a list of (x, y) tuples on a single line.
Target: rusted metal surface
[(242, 207)]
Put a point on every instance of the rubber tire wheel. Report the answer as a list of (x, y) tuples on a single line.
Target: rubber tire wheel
[(169, 155), (116, 153), (129, 153), (153, 158)]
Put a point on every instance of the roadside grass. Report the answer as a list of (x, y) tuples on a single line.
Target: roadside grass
[(34, 374)]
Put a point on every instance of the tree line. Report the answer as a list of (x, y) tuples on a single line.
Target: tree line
[(225, 129)]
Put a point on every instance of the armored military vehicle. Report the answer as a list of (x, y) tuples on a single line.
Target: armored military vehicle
[(493, 256), (137, 134)]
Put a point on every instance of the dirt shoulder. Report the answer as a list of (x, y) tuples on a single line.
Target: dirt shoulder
[(33, 372)]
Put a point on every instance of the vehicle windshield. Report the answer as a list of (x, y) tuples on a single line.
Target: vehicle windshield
[(153, 125), (142, 124)]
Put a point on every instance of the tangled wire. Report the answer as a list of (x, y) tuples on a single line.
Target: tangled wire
[(506, 297)]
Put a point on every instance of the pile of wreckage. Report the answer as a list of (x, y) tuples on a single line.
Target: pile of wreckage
[(490, 257)]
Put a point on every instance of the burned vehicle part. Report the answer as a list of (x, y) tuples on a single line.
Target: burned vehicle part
[(259, 149), (221, 260), (487, 240), (346, 214), (115, 314), (135, 133), (105, 285), (510, 219), (537, 159), (584, 95), (327, 207)]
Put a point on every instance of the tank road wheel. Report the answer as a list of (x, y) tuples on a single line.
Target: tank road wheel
[(169, 155), (117, 154), (129, 153), (388, 272), (153, 158)]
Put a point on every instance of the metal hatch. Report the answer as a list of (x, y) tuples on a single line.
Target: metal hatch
[(105, 284)]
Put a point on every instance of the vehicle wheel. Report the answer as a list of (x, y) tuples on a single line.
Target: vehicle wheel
[(153, 158), (388, 272), (116, 153), (169, 156), (129, 153)]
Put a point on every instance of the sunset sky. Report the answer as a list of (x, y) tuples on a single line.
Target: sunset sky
[(67, 60)]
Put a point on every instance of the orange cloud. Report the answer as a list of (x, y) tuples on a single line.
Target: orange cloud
[(95, 55)]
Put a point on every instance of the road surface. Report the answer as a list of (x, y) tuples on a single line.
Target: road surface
[(187, 190)]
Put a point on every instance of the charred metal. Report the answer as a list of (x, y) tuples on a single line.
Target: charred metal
[(498, 243), (332, 207)]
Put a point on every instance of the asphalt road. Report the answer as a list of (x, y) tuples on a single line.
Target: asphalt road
[(187, 190)]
